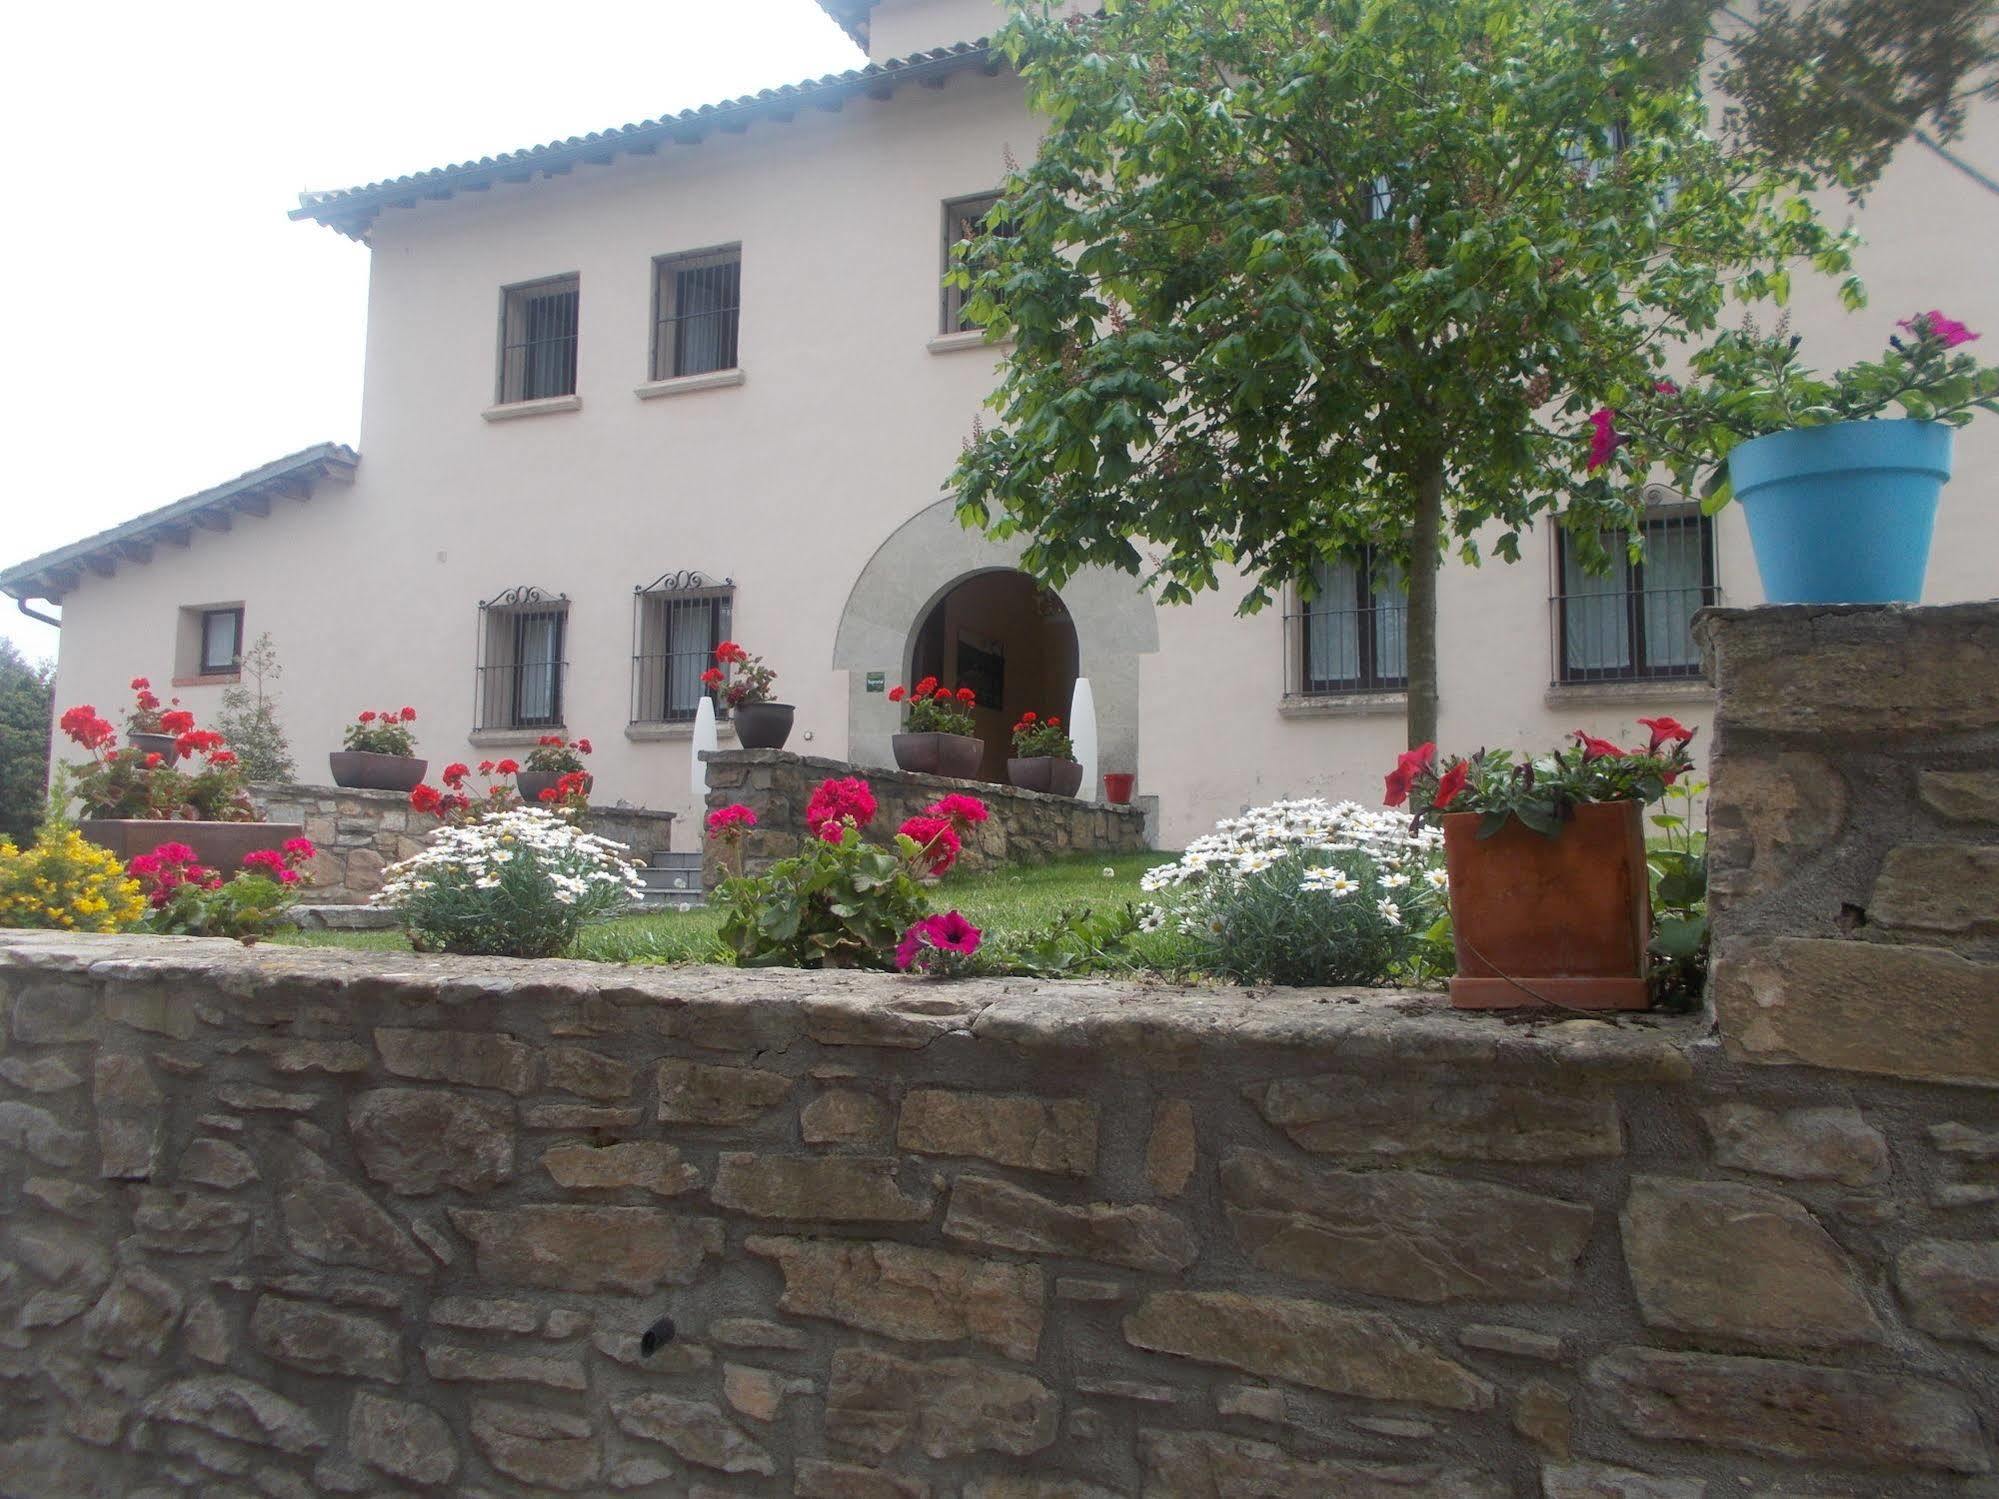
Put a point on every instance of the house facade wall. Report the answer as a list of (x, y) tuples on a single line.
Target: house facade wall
[(844, 428)]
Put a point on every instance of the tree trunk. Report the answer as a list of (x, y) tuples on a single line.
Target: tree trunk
[(1425, 548)]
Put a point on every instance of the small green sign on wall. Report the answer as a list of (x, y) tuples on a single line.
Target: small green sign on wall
[(878, 681)]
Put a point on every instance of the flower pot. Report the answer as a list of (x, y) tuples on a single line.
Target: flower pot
[(1562, 920), (155, 744), (364, 770), (219, 845), (763, 725), (1046, 773), (955, 755), (1117, 787), (531, 784), (1841, 514)]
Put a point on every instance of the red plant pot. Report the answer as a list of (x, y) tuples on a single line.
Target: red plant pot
[(1562, 920), (1117, 787)]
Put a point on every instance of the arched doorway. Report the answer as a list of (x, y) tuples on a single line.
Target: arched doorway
[(1008, 639)]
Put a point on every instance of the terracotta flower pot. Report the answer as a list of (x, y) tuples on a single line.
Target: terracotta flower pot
[(531, 784), (1117, 787), (364, 770), (763, 725), (955, 755), (155, 744), (1046, 773), (1563, 920), (219, 845)]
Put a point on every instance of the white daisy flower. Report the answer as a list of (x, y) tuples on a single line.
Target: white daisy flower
[(1389, 912)]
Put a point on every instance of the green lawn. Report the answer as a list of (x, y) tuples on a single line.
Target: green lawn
[(1006, 900)]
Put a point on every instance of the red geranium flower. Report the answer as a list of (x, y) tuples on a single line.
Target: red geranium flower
[(967, 696), (962, 810), (176, 721), (834, 801), (714, 676), (140, 684), (936, 840), (897, 694), (427, 799), (455, 774), (581, 746), (731, 821), (408, 715), (368, 715), (507, 767)]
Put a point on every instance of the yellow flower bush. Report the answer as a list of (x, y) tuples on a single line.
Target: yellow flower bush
[(65, 883)]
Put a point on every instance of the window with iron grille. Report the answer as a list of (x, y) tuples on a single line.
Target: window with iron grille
[(221, 640), (1635, 623), (521, 671), (1352, 635), (697, 312), (964, 221), (677, 621), (538, 340)]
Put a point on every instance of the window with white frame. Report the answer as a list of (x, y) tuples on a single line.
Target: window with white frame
[(221, 641), (538, 340), (1635, 622), (964, 221), (697, 313), (1352, 633), (677, 621), (520, 678)]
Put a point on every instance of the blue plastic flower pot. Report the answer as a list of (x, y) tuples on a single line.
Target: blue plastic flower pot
[(1842, 514)]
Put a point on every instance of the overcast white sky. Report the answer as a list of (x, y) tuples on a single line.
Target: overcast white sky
[(167, 327)]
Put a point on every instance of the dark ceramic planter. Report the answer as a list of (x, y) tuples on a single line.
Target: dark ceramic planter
[(154, 744), (955, 755), (1562, 920), (531, 784), (219, 845), (364, 770), (763, 726), (1046, 773)]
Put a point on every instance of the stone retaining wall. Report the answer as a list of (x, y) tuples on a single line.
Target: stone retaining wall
[(1026, 827), (361, 833)]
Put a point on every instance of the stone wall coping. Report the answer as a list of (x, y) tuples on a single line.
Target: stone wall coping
[(1170, 1028), (294, 789), (820, 765)]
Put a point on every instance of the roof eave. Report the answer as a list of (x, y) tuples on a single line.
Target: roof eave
[(352, 211), (292, 477)]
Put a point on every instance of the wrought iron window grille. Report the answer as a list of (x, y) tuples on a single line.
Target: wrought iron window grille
[(1352, 635), (697, 313), (522, 669), (677, 621), (538, 340), (1634, 624)]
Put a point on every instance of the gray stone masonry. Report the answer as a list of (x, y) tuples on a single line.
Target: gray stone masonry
[(1026, 827), (361, 833)]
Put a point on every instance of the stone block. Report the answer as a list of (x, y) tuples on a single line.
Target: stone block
[(946, 1407), (1032, 1486), (695, 1429), (1769, 815), (1960, 795), (71, 1199), (55, 1014), (1541, 1414), (1138, 1236), (587, 1074), (249, 1098), (1801, 1412), (1601, 1481), (320, 1340), (1515, 1342), (1169, 1149), (917, 1295), (579, 1118), (1405, 1234), (34, 1131), (754, 1332), (176, 1222), (1911, 1012), (1722, 1259), (697, 1093), (216, 1163), (1323, 1347), (1952, 1288), (588, 1249), (645, 1164), (1937, 887), (455, 1363), (134, 1317), (401, 1439), (417, 1141), (1210, 1465), (338, 1224), (39, 1074), (475, 1058), (838, 1189), (815, 1478), (1832, 1143), (759, 1393), (291, 1055), (1966, 1141), (844, 1116), (1035, 1134), (131, 1121), (548, 1448), (1361, 1116), (238, 1409), (485, 1314)]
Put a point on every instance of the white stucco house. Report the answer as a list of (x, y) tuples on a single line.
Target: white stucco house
[(632, 392)]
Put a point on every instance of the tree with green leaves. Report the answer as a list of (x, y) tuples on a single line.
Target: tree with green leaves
[(27, 715), (249, 716), (1291, 278)]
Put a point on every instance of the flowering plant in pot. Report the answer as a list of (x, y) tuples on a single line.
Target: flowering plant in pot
[(1044, 758), (378, 754), (190, 899), (1549, 889), (742, 683), (1838, 476), (553, 757), (151, 726), (939, 734)]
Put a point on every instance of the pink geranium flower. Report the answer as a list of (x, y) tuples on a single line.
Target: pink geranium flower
[(1947, 331)]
